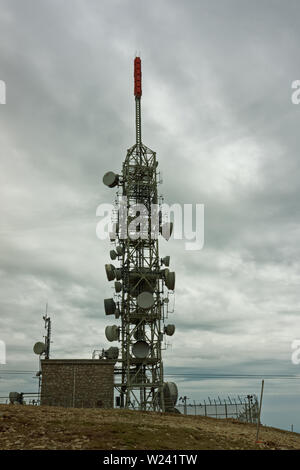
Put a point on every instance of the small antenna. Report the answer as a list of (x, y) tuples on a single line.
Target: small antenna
[(43, 348), (48, 333)]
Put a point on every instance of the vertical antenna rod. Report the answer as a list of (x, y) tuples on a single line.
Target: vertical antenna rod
[(48, 334), (138, 94)]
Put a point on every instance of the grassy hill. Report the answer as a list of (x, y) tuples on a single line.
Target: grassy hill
[(30, 427)]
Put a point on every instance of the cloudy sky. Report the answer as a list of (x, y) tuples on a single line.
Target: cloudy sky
[(217, 110)]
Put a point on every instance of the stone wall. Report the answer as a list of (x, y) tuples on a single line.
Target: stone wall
[(86, 383)]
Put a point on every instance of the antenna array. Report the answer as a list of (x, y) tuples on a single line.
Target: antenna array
[(142, 278)]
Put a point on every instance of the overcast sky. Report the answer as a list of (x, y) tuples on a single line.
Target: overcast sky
[(217, 109)]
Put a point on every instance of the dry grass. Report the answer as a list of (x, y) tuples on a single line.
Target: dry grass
[(29, 427)]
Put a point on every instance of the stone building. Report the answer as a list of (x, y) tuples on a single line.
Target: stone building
[(87, 383)]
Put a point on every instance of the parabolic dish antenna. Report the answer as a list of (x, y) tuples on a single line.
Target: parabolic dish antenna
[(145, 300), (113, 254), (119, 250), (112, 353), (165, 272), (39, 348), (118, 286), (170, 280), (166, 260), (170, 394), (170, 330), (118, 274), (110, 272), (14, 397), (140, 349), (110, 179), (112, 333), (109, 306)]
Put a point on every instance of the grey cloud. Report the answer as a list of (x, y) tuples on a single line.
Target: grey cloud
[(216, 108)]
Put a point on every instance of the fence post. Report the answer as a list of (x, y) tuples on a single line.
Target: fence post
[(259, 413), (205, 408), (226, 409), (246, 413)]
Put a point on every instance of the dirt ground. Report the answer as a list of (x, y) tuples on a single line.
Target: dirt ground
[(39, 427)]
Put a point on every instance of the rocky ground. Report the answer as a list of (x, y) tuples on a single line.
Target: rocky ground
[(35, 427)]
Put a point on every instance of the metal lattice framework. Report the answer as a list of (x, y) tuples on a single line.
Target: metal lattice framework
[(140, 379)]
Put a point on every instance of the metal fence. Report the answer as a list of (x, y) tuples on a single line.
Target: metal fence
[(62, 401), (243, 409), (27, 398)]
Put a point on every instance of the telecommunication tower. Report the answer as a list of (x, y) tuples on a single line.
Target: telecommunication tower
[(142, 280)]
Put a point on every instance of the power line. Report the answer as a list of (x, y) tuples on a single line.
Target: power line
[(17, 372), (235, 376), (191, 375)]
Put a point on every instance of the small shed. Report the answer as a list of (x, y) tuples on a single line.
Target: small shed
[(80, 383)]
